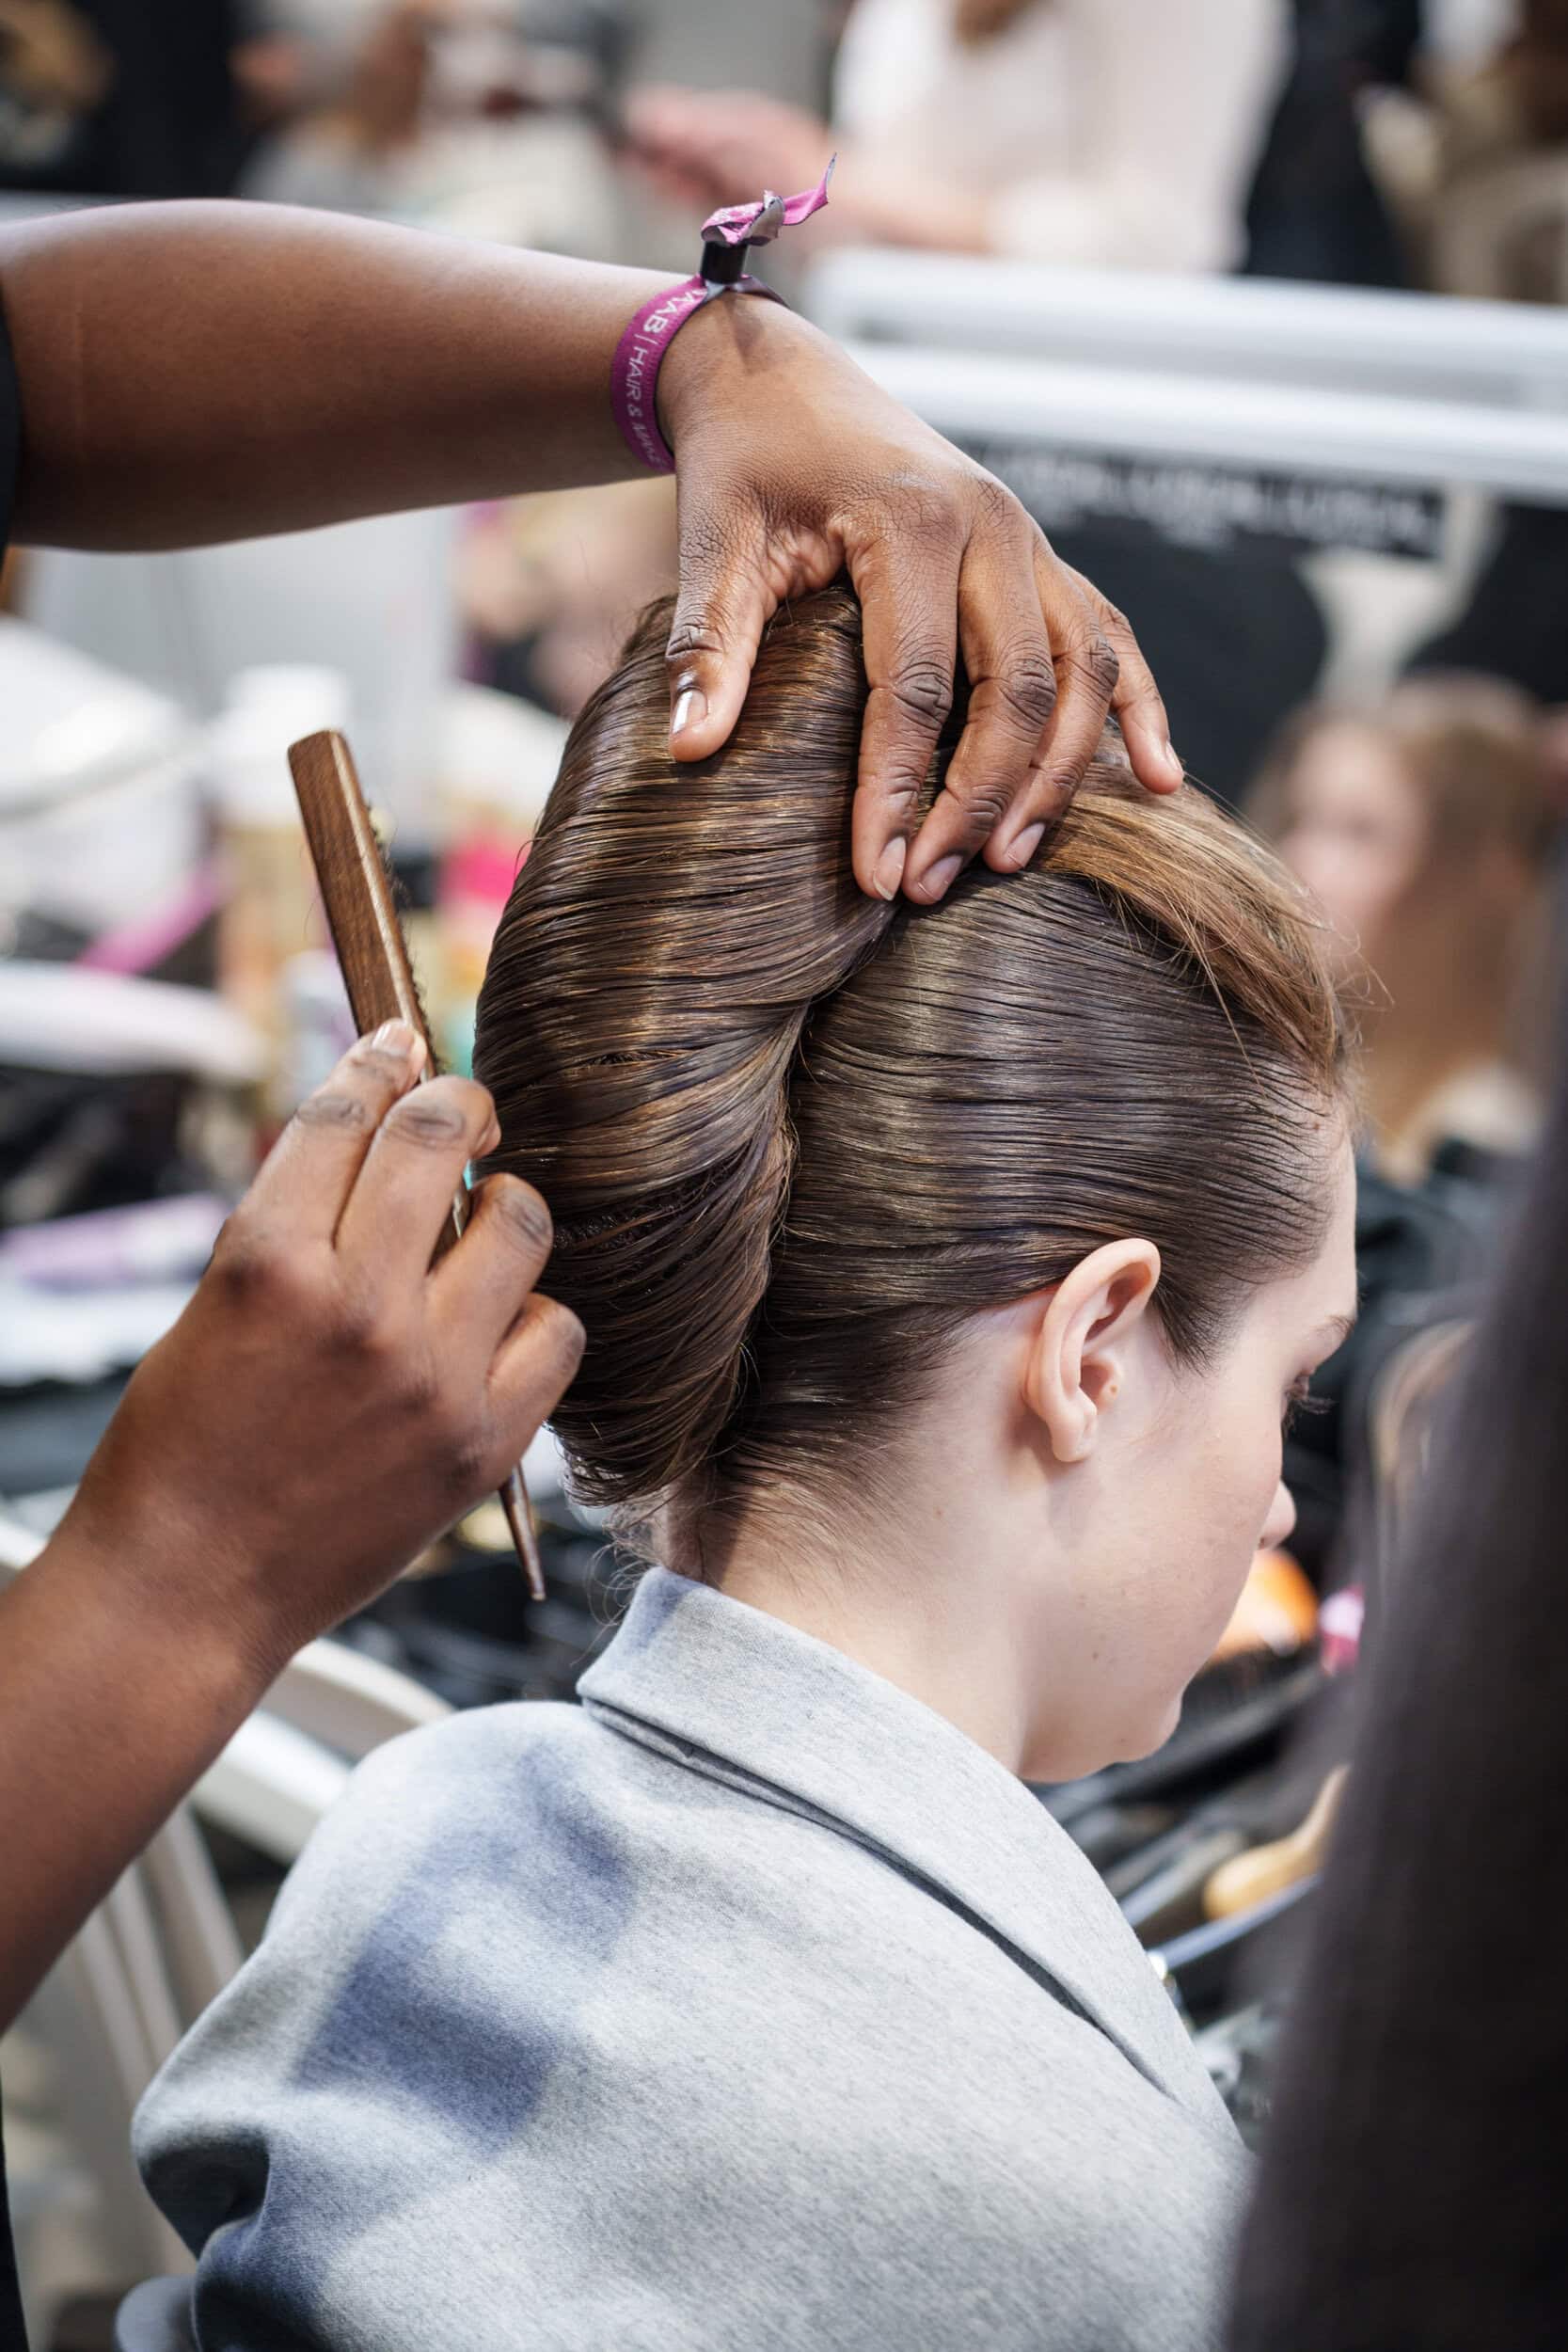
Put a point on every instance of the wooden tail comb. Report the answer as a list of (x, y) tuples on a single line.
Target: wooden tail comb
[(371, 951)]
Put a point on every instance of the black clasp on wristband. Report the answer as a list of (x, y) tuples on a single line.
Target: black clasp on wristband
[(724, 264)]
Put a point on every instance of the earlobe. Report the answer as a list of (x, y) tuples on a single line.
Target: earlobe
[(1078, 1357)]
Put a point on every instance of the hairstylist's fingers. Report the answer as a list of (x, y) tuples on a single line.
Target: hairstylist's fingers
[(907, 584), (1087, 674), (534, 1367), (724, 604), (306, 1179), (1013, 693), (404, 1195), (481, 1287), (1136, 702)]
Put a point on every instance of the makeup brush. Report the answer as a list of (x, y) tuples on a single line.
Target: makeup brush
[(363, 921), (1254, 1876)]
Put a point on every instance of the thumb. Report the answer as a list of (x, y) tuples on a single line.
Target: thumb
[(723, 607)]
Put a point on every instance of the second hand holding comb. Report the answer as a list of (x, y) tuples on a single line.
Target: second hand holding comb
[(377, 973)]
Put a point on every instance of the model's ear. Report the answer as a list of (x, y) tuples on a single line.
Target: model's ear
[(1079, 1359)]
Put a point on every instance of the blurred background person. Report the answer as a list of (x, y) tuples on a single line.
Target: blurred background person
[(1092, 131), (354, 90), (1474, 162), (1316, 210), (132, 98), (1424, 825), (486, 118), (1468, 142)]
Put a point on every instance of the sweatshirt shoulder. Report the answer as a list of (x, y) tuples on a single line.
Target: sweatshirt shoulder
[(475, 1740), (426, 1792)]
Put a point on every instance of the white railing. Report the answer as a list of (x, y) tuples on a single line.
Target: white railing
[(1430, 346)]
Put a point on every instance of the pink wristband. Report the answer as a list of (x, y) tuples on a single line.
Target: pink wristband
[(634, 369), (726, 237)]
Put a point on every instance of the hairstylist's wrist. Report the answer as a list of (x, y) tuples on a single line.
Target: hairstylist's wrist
[(172, 1625), (739, 349)]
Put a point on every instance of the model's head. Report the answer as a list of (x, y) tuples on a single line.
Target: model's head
[(1420, 823), (1012, 1224)]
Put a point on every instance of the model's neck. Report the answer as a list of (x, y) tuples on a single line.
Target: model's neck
[(913, 1613)]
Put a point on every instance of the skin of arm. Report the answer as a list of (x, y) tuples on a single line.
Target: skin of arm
[(194, 373)]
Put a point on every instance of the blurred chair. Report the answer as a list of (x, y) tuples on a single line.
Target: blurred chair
[(162, 1944), (372, 598), (284, 1768)]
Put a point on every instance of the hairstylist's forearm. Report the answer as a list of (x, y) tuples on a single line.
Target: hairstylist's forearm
[(108, 1713), (208, 370)]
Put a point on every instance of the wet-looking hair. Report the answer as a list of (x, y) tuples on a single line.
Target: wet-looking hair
[(794, 1137)]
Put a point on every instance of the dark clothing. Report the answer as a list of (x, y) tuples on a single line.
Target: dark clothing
[(1410, 2198), (13, 2337), (1513, 623), (10, 435), (1314, 212), (169, 125), (1233, 637)]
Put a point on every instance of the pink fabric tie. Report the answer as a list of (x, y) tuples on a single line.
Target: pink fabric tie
[(727, 235)]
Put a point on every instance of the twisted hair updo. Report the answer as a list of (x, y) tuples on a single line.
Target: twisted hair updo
[(793, 1138)]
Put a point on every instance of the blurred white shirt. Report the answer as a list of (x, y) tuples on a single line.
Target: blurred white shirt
[(1111, 132)]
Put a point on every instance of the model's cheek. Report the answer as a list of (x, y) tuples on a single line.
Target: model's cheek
[(1248, 1520), (1228, 1596), (1281, 1524)]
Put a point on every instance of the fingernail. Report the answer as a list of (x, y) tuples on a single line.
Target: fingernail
[(1028, 841), (396, 1037), (936, 878), (1172, 758), (691, 711), (890, 867)]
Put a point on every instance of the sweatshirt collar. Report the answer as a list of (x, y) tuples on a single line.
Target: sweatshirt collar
[(749, 1700)]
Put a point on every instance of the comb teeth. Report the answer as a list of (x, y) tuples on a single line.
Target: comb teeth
[(519, 1519)]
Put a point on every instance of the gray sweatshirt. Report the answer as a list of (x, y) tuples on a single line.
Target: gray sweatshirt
[(751, 2006)]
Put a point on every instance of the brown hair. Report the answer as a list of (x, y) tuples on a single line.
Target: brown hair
[(794, 1137)]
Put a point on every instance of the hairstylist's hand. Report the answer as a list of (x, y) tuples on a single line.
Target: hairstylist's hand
[(326, 1404), (793, 466)]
